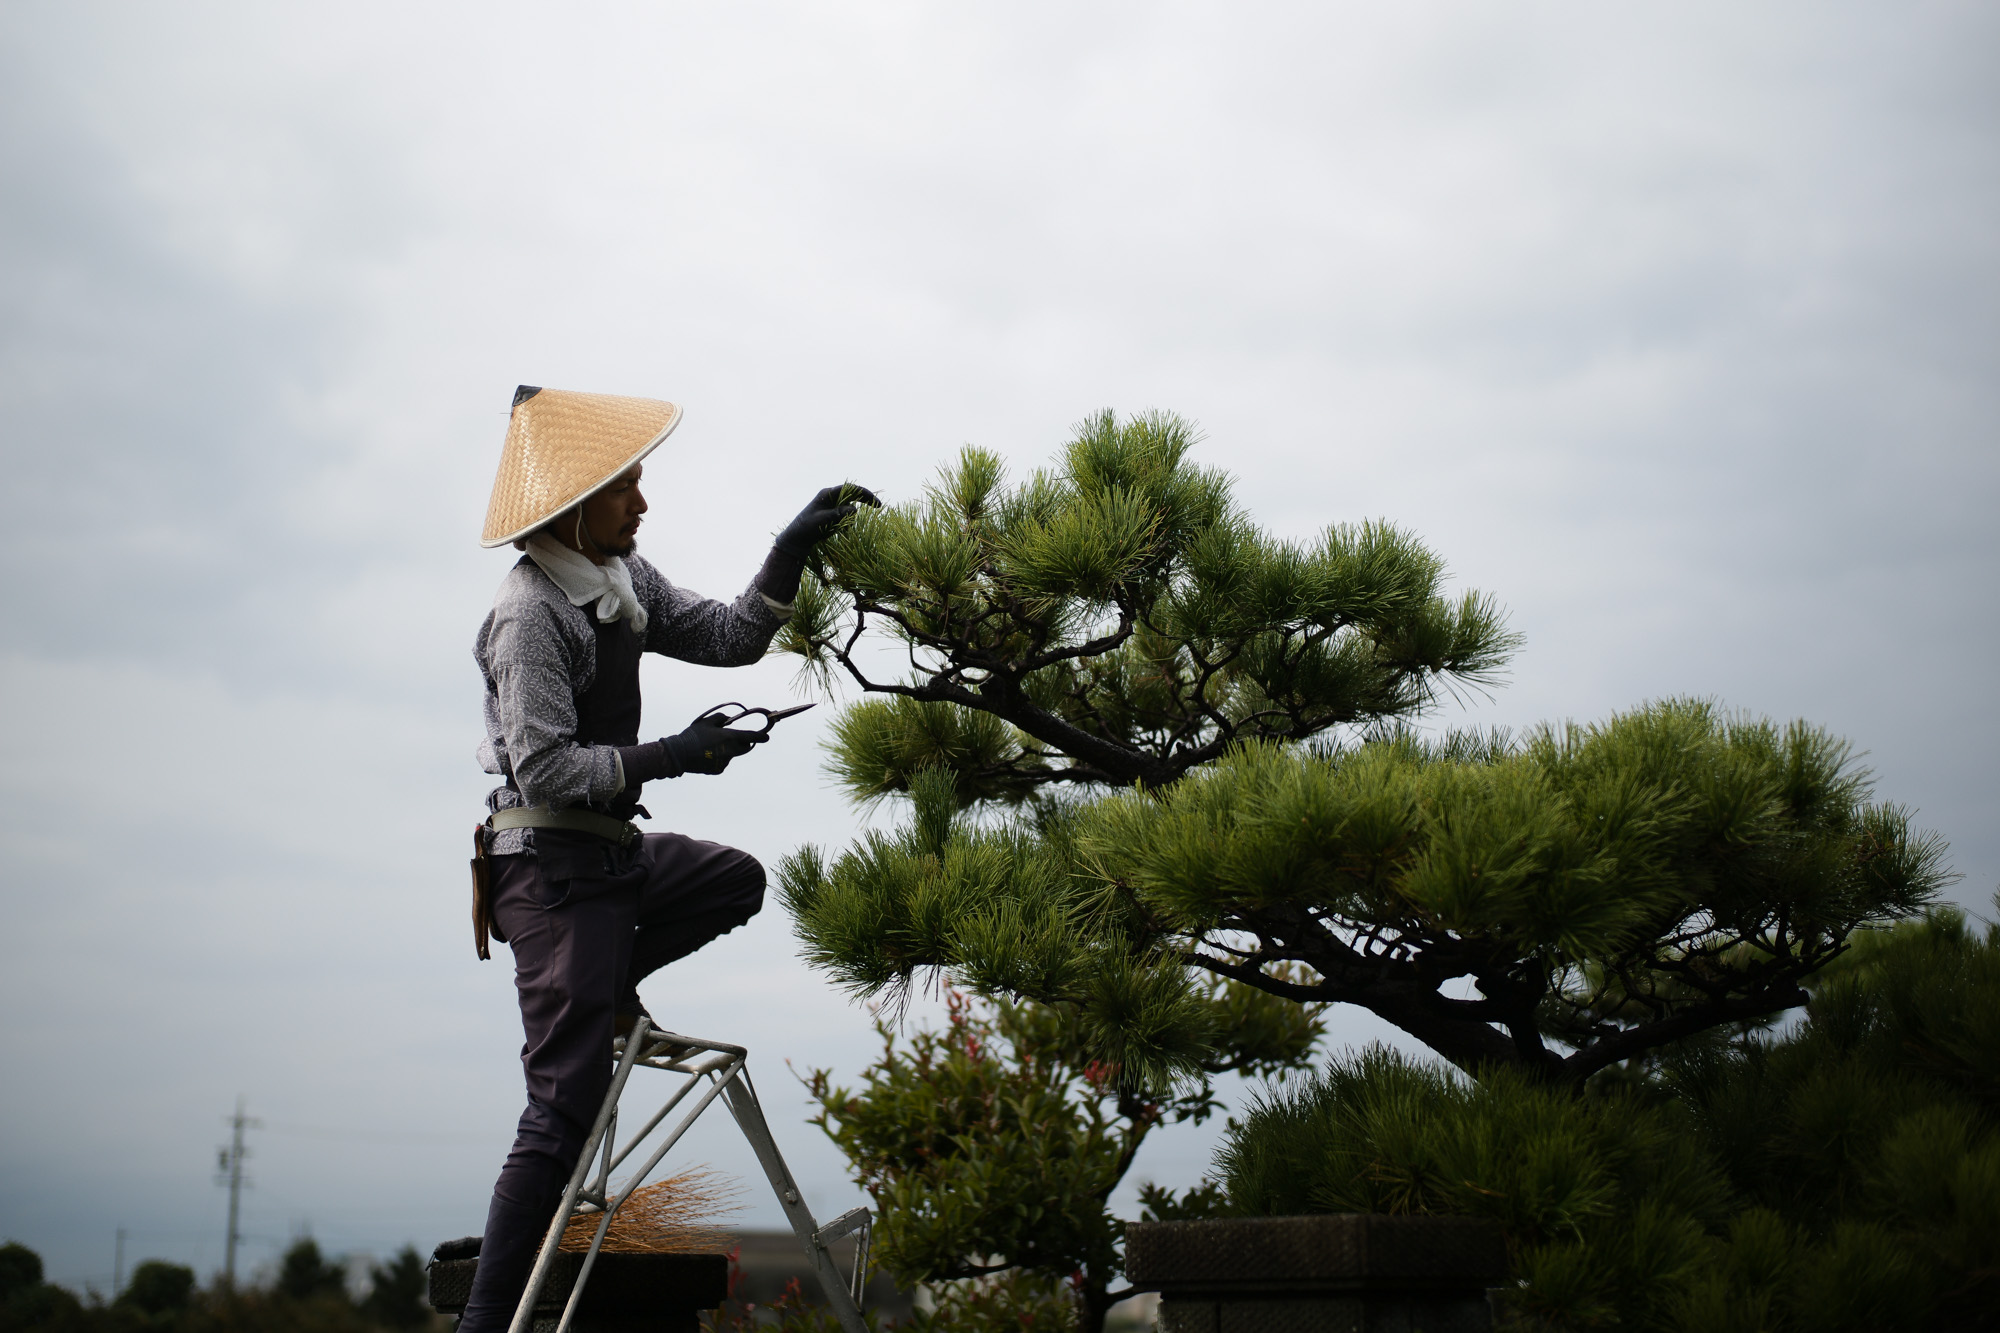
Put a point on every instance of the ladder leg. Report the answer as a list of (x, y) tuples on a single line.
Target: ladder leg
[(612, 1205), (742, 1100), (729, 1079)]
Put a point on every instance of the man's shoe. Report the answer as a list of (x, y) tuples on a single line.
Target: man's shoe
[(627, 1017), (623, 1020)]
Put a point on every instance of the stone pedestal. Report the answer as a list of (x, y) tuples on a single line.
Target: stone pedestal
[(1343, 1273), (627, 1293)]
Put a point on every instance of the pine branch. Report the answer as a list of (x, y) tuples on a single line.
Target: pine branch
[(1644, 1037)]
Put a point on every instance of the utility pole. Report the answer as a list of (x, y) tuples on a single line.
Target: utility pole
[(229, 1171), (118, 1266)]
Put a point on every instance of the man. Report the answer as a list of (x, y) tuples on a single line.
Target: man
[(589, 905)]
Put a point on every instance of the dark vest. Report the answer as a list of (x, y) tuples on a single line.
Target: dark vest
[(608, 712)]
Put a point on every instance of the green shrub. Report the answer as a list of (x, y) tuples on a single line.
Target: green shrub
[(1842, 1175), (1604, 1200)]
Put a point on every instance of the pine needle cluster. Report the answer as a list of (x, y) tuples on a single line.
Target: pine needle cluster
[(1116, 619)]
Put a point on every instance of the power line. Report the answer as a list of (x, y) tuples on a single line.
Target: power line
[(364, 1135)]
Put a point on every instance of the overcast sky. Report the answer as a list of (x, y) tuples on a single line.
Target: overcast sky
[(1676, 327)]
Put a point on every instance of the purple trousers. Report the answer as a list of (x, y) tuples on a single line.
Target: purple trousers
[(587, 922)]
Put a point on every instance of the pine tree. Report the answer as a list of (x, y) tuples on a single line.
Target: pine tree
[(1146, 743)]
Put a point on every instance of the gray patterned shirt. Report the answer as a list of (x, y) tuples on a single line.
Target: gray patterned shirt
[(538, 652)]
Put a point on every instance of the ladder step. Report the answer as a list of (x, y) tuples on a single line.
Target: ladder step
[(715, 1070), (852, 1220)]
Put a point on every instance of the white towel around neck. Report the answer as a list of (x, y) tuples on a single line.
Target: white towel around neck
[(584, 581)]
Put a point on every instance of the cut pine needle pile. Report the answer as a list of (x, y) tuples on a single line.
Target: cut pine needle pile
[(677, 1215)]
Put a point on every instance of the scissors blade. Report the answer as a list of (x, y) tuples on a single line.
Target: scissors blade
[(784, 713)]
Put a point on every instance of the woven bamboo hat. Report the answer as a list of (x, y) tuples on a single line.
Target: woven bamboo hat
[(564, 447)]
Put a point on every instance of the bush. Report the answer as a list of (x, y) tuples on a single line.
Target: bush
[(1844, 1175), (1872, 1131), (996, 1143), (1604, 1200)]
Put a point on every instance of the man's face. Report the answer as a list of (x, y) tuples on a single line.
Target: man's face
[(612, 516)]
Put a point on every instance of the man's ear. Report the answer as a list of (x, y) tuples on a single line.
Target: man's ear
[(521, 543)]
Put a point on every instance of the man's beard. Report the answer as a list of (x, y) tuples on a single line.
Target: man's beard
[(614, 547)]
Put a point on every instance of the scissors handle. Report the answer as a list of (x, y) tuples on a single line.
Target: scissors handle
[(772, 717)]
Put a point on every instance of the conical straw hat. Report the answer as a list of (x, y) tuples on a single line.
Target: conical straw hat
[(563, 447)]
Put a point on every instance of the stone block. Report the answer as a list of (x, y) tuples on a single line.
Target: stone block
[(1340, 1273), (627, 1293)]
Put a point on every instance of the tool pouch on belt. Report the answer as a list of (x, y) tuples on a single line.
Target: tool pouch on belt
[(482, 892)]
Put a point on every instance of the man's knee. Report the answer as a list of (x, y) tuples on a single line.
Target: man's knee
[(745, 882), (551, 1131)]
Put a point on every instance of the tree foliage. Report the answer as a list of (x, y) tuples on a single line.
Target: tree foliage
[(1115, 619)]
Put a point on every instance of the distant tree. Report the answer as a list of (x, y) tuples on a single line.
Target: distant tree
[(159, 1288), (304, 1274), (308, 1297), (20, 1269), (29, 1303), (396, 1300)]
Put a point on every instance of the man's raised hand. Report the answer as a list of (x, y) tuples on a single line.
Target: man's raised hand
[(818, 520)]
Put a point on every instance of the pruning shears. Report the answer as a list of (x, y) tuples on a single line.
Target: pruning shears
[(722, 717)]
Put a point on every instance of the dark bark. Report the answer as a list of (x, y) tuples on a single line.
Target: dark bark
[(1468, 1032), (1644, 1037), (1504, 1027), (998, 691), (1097, 1302)]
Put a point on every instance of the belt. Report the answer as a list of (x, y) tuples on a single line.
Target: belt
[(619, 831)]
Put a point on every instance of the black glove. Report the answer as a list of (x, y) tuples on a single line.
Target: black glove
[(817, 520), (705, 747)]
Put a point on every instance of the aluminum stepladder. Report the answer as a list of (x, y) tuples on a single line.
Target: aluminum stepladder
[(723, 1067)]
